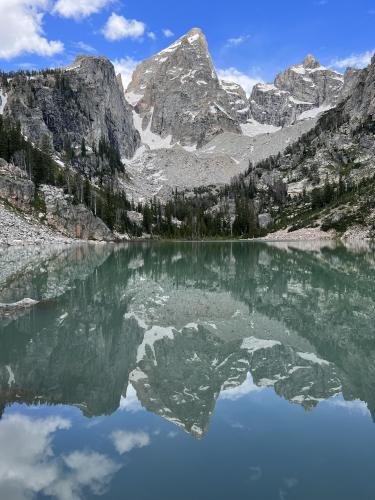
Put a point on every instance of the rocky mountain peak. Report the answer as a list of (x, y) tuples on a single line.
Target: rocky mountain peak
[(194, 37), (299, 89), (310, 62), (177, 96)]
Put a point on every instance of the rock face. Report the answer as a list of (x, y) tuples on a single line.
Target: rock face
[(361, 102), (300, 88), (83, 100), (339, 149), (238, 100), (15, 187), (350, 80), (178, 97), (75, 221)]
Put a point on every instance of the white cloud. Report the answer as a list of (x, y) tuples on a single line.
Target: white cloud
[(85, 47), (118, 27), (168, 33), (131, 403), (21, 29), (354, 60), (355, 405), (151, 35), (84, 469), (125, 67), (234, 42), (79, 9), (246, 81), (29, 468), (126, 441), (241, 390), (172, 434)]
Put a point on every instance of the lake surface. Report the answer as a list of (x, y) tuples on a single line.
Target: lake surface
[(188, 371)]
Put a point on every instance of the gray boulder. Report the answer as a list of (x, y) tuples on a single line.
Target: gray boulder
[(15, 187), (75, 221)]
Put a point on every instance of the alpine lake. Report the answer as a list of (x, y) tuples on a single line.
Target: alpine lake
[(188, 371)]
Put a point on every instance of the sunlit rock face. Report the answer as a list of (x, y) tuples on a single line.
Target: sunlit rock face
[(299, 89), (177, 96), (187, 324)]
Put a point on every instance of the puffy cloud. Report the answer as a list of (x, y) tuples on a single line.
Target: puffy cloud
[(355, 60), (21, 29), (168, 33), (78, 9), (151, 35), (118, 27), (29, 467), (84, 469), (126, 441), (246, 81), (125, 67)]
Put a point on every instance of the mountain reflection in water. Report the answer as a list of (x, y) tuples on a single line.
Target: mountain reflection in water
[(173, 328)]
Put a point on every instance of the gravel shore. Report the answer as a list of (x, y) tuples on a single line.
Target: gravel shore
[(304, 234), (18, 229)]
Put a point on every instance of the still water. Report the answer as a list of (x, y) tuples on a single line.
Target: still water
[(178, 371)]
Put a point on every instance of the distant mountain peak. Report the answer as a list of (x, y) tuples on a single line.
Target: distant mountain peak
[(193, 39), (310, 62)]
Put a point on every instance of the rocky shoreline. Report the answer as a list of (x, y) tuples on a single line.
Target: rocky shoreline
[(316, 233), (18, 229)]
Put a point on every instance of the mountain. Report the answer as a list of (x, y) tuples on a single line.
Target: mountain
[(177, 96), (331, 167), (176, 131), (301, 88), (238, 100), (81, 101)]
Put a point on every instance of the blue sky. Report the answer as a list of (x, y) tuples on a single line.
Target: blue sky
[(249, 40)]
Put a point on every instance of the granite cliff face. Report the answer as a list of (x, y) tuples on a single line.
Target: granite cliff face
[(238, 100), (72, 220), (81, 101), (178, 97), (15, 187), (300, 88)]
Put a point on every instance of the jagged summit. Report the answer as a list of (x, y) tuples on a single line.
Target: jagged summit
[(177, 96), (299, 89), (194, 35), (310, 62)]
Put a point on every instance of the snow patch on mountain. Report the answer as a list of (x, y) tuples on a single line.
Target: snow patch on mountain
[(253, 128), (153, 141), (3, 101)]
